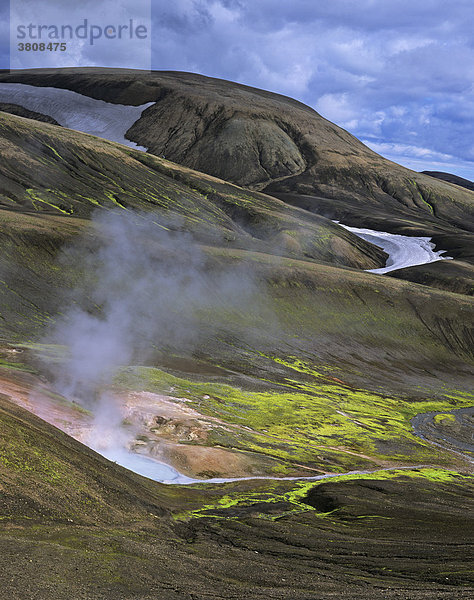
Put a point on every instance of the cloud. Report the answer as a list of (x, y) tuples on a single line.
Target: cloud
[(4, 36), (416, 158), (98, 49), (396, 70)]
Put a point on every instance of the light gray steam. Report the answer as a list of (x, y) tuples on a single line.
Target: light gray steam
[(143, 288)]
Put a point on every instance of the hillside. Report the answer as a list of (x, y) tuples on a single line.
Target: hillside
[(267, 142), (74, 523), (195, 304), (450, 178), (258, 139), (53, 179)]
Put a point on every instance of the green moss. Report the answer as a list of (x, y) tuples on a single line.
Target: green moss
[(54, 151), (444, 419), (420, 195), (16, 366), (319, 422), (19, 458), (268, 503), (279, 499), (429, 473), (35, 197)]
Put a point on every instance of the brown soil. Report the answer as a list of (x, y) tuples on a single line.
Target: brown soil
[(158, 426)]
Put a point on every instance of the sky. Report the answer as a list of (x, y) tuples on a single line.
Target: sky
[(398, 74)]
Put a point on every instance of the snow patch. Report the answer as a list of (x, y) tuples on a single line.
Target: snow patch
[(403, 251), (76, 111)]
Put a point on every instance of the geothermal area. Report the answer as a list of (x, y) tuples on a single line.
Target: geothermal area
[(235, 349)]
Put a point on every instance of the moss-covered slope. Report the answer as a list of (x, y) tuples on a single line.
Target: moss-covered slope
[(73, 523), (53, 179), (52, 170)]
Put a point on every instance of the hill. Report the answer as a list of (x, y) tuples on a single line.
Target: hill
[(257, 139), (235, 322), (267, 142), (450, 178)]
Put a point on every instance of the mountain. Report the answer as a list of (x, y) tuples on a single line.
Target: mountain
[(450, 178), (203, 287), (258, 139), (267, 142)]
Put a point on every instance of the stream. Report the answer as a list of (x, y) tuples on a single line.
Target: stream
[(163, 473), (151, 468)]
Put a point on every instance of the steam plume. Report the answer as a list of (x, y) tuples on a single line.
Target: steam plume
[(143, 288)]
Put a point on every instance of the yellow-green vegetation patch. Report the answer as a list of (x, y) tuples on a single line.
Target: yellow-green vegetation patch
[(282, 498), (430, 473), (318, 421), (16, 366), (444, 419), (18, 455), (270, 503)]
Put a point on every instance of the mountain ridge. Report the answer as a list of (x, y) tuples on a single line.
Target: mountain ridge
[(259, 140)]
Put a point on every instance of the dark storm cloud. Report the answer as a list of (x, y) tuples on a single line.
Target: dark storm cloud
[(397, 73)]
